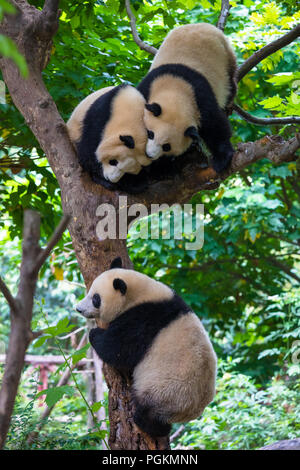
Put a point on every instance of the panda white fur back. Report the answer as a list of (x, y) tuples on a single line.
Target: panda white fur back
[(181, 370), (191, 81), (154, 336), (204, 48), (75, 122), (109, 134)]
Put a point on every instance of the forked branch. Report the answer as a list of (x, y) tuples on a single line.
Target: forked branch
[(8, 295), (21, 313), (53, 241)]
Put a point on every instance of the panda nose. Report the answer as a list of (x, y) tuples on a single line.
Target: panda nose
[(79, 310), (148, 156)]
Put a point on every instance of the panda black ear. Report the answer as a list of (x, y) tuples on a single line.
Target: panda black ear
[(193, 133), (128, 141), (154, 108), (116, 263), (120, 285)]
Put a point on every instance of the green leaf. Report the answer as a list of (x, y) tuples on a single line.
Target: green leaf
[(271, 103), (96, 406), (53, 395), (9, 49), (40, 341), (80, 354)]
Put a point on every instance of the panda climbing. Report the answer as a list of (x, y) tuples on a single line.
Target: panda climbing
[(191, 82), (109, 134), (155, 337)]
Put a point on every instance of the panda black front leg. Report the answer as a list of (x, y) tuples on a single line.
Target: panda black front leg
[(96, 339), (216, 134), (152, 425), (222, 156)]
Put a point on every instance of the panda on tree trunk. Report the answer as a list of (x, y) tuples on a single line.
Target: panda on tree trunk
[(191, 82), (109, 134), (153, 335)]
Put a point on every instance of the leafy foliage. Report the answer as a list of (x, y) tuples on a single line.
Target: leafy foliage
[(245, 417)]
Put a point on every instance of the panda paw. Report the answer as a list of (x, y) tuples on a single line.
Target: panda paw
[(222, 160), (94, 334)]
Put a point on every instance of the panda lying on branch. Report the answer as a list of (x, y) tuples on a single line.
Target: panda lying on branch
[(120, 131), (153, 335)]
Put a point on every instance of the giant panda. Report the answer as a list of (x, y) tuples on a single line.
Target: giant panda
[(153, 335), (190, 83), (109, 134)]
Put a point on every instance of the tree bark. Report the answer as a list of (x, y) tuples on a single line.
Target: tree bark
[(32, 30), (288, 444)]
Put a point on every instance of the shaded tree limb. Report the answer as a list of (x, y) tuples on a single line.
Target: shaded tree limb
[(142, 45), (54, 240), (20, 317), (284, 267), (265, 121), (225, 7), (267, 50), (8, 295)]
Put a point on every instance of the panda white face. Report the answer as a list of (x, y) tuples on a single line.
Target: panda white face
[(106, 297), (117, 290), (122, 154), (167, 134)]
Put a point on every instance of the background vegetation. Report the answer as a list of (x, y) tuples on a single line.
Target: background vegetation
[(243, 284)]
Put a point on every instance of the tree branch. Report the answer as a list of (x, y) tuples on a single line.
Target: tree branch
[(50, 8), (21, 314), (224, 14), (284, 267), (53, 241), (267, 50), (8, 296), (142, 45), (193, 178), (265, 121)]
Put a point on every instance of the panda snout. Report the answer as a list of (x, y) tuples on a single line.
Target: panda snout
[(153, 150)]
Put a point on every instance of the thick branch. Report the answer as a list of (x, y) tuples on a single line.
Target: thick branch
[(8, 296), (267, 50), (54, 240), (193, 178), (224, 14), (142, 45), (50, 9), (265, 121), (21, 315)]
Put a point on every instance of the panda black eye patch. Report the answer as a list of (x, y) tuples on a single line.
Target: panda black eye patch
[(166, 147), (113, 162), (150, 135), (128, 140), (96, 300)]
